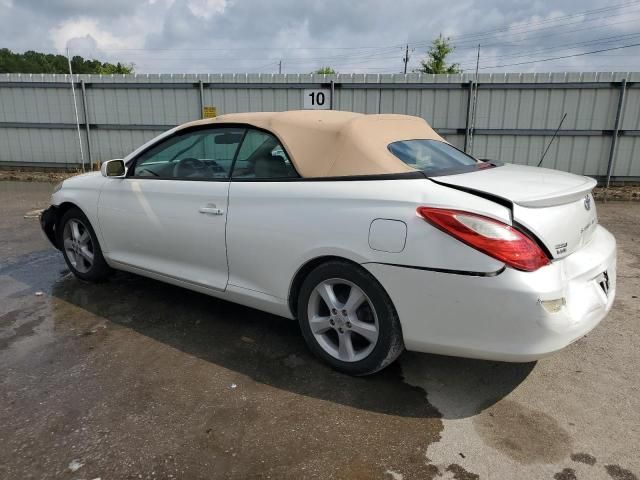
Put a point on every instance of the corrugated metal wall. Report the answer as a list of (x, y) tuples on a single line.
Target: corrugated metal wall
[(516, 113)]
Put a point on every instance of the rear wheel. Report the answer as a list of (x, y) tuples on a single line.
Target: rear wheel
[(80, 247), (348, 320)]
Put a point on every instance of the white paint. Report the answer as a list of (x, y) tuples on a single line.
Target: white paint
[(394, 475), (387, 235), (33, 213), (75, 465)]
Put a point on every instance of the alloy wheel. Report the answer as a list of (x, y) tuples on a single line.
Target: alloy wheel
[(78, 245), (343, 320)]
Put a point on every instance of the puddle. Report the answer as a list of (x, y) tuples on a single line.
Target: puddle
[(523, 434)]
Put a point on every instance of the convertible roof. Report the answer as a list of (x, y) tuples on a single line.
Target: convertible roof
[(330, 143)]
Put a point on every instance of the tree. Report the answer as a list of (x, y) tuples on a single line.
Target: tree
[(325, 71), (36, 62), (435, 62)]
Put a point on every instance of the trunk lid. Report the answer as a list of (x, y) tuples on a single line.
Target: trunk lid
[(557, 207)]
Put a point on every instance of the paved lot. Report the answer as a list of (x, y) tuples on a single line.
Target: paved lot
[(136, 379)]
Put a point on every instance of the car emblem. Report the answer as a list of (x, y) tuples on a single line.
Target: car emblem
[(587, 202)]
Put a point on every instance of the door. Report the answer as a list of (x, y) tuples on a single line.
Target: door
[(168, 215), (264, 221)]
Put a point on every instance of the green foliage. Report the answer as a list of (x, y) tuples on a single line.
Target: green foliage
[(36, 62), (325, 71), (437, 57)]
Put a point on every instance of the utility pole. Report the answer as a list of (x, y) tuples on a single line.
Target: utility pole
[(405, 59), (280, 66)]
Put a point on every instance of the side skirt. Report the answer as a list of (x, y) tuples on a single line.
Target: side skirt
[(233, 293)]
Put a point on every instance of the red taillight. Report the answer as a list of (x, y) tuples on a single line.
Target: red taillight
[(496, 239)]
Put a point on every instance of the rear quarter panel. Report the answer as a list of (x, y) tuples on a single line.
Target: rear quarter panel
[(274, 228)]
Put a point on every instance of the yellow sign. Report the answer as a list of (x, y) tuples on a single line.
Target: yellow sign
[(209, 112)]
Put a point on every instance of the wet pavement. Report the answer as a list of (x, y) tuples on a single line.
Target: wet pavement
[(133, 378)]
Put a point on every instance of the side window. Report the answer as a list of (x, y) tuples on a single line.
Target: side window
[(206, 154), (261, 156)]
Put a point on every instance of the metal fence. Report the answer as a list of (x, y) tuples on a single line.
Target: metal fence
[(516, 114)]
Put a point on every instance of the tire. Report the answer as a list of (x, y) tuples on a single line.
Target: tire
[(330, 331), (80, 247)]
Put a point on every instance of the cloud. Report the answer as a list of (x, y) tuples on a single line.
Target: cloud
[(186, 36), (206, 8), (73, 8), (89, 29)]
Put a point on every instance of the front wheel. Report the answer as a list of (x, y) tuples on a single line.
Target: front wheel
[(348, 320), (80, 247)]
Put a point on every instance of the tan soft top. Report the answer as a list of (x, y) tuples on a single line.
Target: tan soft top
[(329, 143)]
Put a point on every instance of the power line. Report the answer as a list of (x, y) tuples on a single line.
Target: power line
[(563, 56), (601, 41), (475, 36), (557, 32)]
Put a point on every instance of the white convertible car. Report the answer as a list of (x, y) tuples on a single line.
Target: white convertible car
[(370, 230)]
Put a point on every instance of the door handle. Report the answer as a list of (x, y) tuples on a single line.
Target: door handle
[(211, 209)]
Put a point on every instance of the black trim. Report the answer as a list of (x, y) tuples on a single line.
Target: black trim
[(444, 270), (235, 155), (478, 193), (181, 179), (478, 167), (48, 222), (517, 225), (346, 178)]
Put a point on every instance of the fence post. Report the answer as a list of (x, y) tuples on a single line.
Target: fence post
[(201, 98), (616, 129), (333, 91), (85, 108), (467, 125)]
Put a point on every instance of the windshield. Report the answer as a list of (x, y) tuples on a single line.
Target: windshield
[(430, 156)]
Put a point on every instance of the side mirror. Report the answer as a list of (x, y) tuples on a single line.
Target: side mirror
[(113, 168)]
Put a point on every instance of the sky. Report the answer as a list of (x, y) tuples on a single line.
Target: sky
[(254, 36)]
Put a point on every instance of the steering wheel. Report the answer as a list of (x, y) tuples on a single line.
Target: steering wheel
[(188, 166)]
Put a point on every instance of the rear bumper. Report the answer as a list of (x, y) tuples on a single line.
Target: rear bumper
[(503, 317), (48, 222)]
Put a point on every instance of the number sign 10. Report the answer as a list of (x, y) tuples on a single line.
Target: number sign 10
[(317, 99)]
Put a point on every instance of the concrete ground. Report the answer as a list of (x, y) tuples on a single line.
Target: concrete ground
[(136, 379)]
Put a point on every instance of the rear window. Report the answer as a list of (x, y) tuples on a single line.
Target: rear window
[(431, 156)]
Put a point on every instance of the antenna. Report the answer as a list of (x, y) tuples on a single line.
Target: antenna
[(475, 104), (552, 138)]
